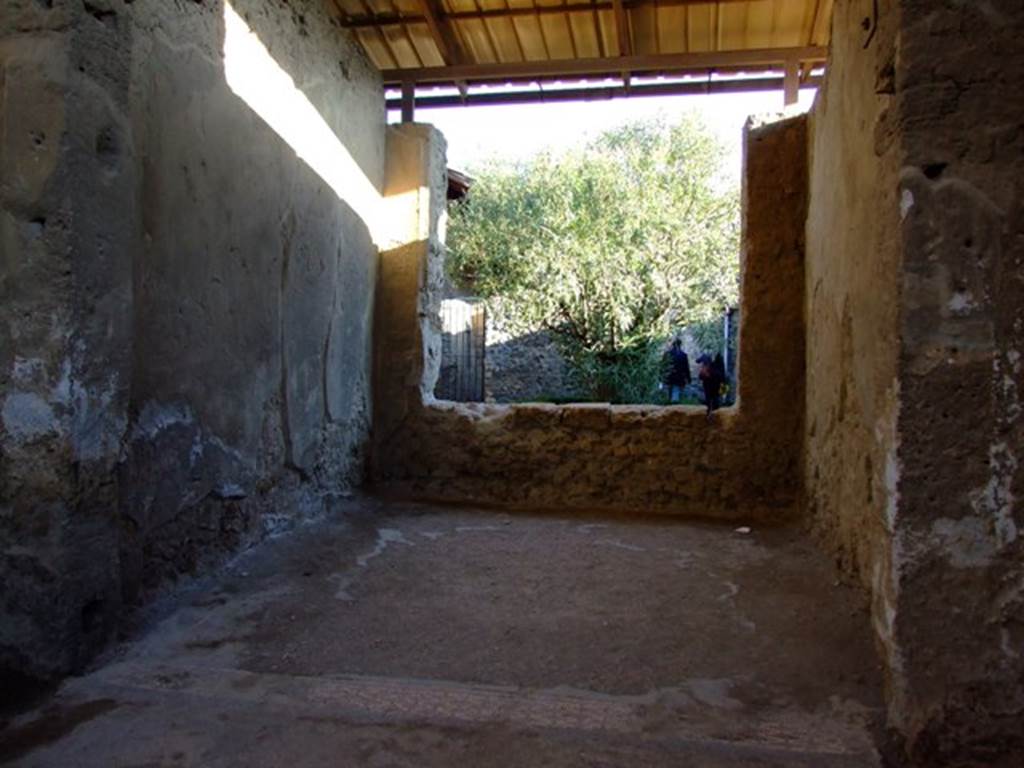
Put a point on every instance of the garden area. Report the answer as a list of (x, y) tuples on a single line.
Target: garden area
[(594, 260)]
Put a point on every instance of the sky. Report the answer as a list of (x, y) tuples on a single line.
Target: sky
[(519, 131)]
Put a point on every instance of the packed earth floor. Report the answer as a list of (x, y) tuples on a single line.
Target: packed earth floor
[(395, 634)]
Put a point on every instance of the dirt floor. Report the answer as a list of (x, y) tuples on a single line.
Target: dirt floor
[(416, 635)]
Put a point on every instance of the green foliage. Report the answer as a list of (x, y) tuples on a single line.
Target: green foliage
[(608, 248)]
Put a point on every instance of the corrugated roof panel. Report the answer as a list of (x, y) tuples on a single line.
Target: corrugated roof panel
[(351, 7), (788, 22), (702, 28), (556, 35), (823, 22), (476, 41), (644, 25), (532, 37), (375, 47), (473, 40), (405, 7), (506, 39), (731, 30), (606, 21), (587, 34), (672, 29), (426, 46), (401, 46), (759, 24)]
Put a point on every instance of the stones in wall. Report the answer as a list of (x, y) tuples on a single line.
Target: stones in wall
[(186, 302), (960, 615), (524, 368), (916, 323), (744, 463)]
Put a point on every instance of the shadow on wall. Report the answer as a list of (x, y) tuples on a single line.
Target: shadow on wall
[(204, 370), (527, 368), (256, 77)]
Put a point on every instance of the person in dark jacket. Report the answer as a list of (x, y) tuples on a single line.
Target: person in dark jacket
[(678, 371), (711, 378)]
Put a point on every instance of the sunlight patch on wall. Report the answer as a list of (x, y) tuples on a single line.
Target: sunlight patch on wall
[(254, 76)]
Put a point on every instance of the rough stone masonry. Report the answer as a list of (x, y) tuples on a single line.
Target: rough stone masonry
[(204, 335), (743, 464)]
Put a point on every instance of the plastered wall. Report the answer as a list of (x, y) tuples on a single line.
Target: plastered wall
[(960, 620), (744, 463), (186, 294), (916, 323), (852, 304)]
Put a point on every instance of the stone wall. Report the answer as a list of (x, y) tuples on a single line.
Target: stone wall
[(852, 306), (744, 463), (524, 368), (186, 293), (960, 617), (916, 318)]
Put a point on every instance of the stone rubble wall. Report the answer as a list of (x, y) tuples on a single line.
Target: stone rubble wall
[(960, 522), (185, 304), (852, 307), (744, 463), (524, 368), (915, 312)]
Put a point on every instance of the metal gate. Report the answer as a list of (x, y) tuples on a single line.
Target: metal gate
[(463, 345)]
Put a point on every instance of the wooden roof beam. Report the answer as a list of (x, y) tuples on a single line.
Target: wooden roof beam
[(391, 19), (664, 63), (604, 93)]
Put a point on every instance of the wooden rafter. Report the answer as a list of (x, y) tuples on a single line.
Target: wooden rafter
[(391, 19), (677, 63), (572, 34), (814, 22), (597, 29), (622, 28)]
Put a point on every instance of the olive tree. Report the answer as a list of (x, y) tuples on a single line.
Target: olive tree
[(608, 248)]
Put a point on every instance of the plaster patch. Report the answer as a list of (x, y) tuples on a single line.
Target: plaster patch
[(906, 203), (195, 452), (714, 692), (966, 543), (26, 372), (884, 615), (229, 490), (98, 423), (63, 390), (1013, 356), (27, 416), (156, 417), (1007, 645), (996, 498), (385, 536), (962, 303), (620, 545)]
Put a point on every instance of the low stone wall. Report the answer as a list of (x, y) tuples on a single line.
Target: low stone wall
[(745, 463), (666, 460)]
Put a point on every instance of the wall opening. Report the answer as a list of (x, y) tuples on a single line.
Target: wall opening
[(605, 273)]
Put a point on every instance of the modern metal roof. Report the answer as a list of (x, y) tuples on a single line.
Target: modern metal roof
[(625, 47)]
